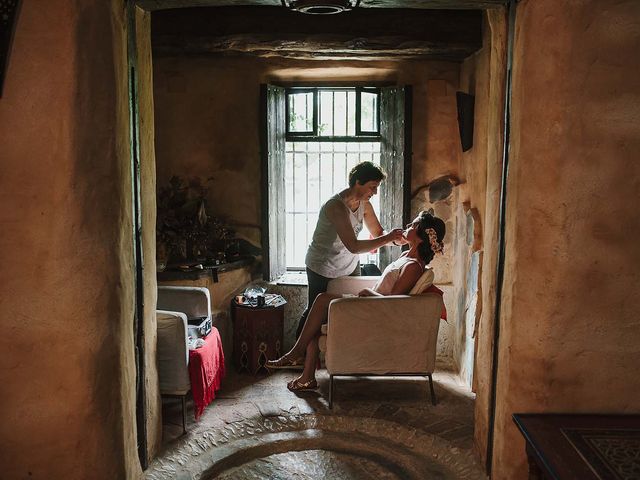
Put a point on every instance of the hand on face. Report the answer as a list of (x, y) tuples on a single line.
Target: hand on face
[(396, 235)]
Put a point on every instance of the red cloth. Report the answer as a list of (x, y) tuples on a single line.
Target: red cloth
[(434, 289), (206, 370)]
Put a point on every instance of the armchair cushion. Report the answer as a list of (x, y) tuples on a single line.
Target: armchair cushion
[(424, 282), (382, 335), (194, 302), (172, 353)]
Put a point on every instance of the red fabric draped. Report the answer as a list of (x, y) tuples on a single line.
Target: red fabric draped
[(206, 370), (434, 289)]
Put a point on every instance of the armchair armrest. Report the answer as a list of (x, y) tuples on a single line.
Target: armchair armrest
[(194, 302), (382, 335), (172, 353), (351, 285)]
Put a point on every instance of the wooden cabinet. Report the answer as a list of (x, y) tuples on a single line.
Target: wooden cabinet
[(257, 336)]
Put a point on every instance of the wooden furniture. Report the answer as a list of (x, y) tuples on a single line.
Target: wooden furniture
[(581, 447), (257, 336)]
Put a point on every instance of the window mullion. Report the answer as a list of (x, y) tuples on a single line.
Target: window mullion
[(293, 196), (306, 195)]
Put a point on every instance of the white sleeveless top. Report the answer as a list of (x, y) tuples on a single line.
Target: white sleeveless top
[(327, 255), (390, 275)]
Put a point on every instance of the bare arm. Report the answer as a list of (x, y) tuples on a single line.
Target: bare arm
[(408, 277), (371, 220), (373, 224), (338, 214)]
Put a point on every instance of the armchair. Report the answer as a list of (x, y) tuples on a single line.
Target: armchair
[(390, 335), (175, 308)]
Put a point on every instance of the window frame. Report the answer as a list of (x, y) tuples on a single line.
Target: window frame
[(359, 131), (312, 135)]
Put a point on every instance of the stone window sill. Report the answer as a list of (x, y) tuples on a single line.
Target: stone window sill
[(293, 279)]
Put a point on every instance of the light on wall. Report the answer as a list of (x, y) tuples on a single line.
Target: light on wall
[(320, 7)]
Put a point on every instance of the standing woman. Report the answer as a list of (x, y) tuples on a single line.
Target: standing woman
[(335, 246)]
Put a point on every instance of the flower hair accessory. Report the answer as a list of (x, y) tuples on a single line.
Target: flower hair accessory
[(436, 246)]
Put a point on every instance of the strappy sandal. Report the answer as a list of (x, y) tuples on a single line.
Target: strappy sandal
[(284, 362), (298, 386)]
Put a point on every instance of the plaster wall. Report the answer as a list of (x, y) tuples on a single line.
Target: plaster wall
[(482, 75), (569, 326), (148, 200), (66, 295)]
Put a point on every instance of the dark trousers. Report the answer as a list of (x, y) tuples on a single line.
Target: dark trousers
[(317, 285)]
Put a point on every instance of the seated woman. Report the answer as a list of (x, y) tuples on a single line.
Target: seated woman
[(424, 236)]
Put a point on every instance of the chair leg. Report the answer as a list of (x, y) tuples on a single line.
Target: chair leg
[(433, 393), (330, 392), (184, 414)]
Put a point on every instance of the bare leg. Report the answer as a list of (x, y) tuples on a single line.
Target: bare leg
[(312, 326), (310, 361), (307, 381)]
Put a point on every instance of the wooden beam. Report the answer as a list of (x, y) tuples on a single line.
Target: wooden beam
[(360, 34), (422, 4), (310, 48)]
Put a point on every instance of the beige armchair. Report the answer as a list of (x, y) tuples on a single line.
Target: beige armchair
[(182, 312), (391, 335)]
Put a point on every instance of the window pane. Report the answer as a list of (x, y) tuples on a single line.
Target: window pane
[(340, 171), (288, 180), (300, 182), (301, 112), (369, 114), (351, 117), (327, 188), (313, 183), (313, 173), (340, 114), (290, 241), (325, 117), (300, 245)]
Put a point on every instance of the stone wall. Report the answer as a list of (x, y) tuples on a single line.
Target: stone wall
[(67, 279), (569, 325)]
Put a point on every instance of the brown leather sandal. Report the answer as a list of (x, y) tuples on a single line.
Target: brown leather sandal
[(284, 362), (298, 386)]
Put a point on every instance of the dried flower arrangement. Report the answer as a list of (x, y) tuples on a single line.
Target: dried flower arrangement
[(184, 229)]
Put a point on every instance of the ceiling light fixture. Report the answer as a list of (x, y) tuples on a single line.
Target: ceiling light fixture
[(320, 7)]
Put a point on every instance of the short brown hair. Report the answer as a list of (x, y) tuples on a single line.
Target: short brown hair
[(366, 172)]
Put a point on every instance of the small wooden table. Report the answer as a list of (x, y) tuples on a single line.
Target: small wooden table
[(581, 447), (257, 336)]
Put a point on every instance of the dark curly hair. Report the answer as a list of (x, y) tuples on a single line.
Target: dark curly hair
[(430, 246), (365, 172)]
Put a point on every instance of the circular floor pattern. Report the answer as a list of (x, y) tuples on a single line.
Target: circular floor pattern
[(317, 446), (312, 464)]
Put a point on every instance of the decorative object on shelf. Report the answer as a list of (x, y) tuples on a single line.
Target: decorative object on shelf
[(8, 19), (185, 231), (320, 7)]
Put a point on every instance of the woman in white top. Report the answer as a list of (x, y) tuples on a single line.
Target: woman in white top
[(335, 246), (425, 238)]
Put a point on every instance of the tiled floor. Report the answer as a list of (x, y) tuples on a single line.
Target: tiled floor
[(248, 405)]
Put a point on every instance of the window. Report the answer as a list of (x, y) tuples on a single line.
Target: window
[(338, 114), (311, 138), (325, 140)]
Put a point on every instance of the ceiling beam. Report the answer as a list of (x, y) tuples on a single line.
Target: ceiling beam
[(422, 4), (313, 48), (361, 34)]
